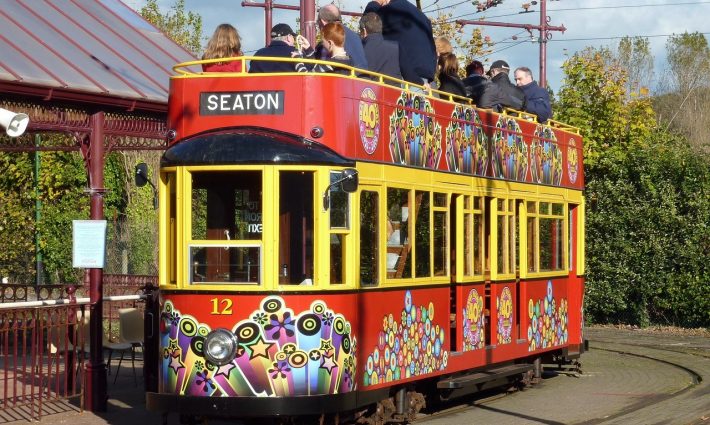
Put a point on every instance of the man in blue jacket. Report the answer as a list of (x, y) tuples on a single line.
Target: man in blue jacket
[(537, 99), (382, 55), (282, 40), (353, 46), (411, 29)]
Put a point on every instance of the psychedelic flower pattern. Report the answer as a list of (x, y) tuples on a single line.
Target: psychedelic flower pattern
[(504, 305), (412, 347), (473, 322), (572, 161), (548, 322), (466, 143), (279, 354), (509, 151), (546, 157), (415, 136)]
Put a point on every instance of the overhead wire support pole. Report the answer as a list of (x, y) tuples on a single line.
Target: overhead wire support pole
[(545, 35)]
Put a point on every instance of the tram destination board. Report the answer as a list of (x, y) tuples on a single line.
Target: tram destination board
[(242, 103)]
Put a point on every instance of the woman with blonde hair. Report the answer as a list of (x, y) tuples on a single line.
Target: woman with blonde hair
[(225, 43), (448, 69)]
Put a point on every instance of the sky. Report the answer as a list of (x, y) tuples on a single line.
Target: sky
[(587, 22)]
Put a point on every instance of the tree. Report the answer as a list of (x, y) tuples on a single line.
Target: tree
[(184, 28), (467, 47), (634, 55), (593, 98)]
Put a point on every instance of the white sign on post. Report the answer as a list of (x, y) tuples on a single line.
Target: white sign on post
[(88, 244)]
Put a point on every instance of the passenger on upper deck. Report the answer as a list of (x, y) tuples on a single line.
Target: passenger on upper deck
[(404, 23), (334, 41), (537, 99), (282, 45), (513, 97), (225, 43), (442, 45), (330, 14), (476, 84), (449, 80), (382, 55)]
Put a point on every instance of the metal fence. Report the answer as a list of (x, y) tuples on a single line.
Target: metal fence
[(44, 342)]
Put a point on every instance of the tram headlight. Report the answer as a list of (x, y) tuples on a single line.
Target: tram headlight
[(220, 347)]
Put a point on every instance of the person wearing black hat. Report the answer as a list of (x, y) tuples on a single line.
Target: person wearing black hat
[(283, 39), (513, 97)]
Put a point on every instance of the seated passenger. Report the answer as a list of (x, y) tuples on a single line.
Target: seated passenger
[(537, 99), (443, 45), (225, 43), (331, 14), (512, 96), (282, 40), (475, 82), (382, 55), (449, 81), (333, 41)]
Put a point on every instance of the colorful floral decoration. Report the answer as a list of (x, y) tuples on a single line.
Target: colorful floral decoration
[(546, 157), (473, 322), (572, 161), (504, 306), (548, 322), (279, 354), (408, 345), (466, 143), (415, 136), (369, 120), (509, 151)]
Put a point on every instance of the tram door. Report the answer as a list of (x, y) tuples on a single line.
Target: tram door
[(455, 240)]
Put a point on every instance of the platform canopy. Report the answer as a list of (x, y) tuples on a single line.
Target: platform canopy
[(85, 51)]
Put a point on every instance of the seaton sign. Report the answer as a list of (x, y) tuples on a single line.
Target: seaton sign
[(242, 103)]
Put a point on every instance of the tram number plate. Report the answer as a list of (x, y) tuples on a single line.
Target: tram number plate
[(221, 306), (242, 103)]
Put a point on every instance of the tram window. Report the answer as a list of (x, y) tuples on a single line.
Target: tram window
[(369, 246), (296, 227), (440, 232), (225, 264), (339, 204), (398, 239), (225, 206), (468, 238), (422, 235), (506, 227), (552, 238), (474, 225), (171, 227), (337, 258)]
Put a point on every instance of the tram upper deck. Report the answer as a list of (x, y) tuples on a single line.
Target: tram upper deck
[(368, 117)]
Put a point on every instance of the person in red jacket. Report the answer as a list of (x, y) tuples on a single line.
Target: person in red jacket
[(225, 43)]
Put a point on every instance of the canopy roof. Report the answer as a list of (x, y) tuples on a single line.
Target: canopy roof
[(95, 51)]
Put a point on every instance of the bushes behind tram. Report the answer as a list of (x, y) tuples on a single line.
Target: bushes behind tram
[(648, 235)]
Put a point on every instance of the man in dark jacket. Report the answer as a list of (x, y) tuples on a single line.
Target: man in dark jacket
[(382, 55), (537, 99), (513, 97), (353, 46), (282, 40), (411, 29)]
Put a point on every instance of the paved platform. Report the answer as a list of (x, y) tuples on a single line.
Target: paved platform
[(632, 388)]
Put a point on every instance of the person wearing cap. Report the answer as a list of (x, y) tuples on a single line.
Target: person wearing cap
[(411, 29), (513, 97), (353, 46), (537, 99), (283, 39)]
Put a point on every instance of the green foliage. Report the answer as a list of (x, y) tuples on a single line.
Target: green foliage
[(689, 60), (184, 28), (17, 218), (593, 98), (648, 227)]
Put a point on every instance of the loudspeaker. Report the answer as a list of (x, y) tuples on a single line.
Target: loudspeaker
[(14, 123)]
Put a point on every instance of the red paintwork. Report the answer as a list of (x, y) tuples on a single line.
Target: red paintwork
[(332, 103)]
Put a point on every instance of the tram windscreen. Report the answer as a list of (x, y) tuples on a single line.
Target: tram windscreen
[(226, 223)]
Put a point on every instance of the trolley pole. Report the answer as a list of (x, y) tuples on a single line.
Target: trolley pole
[(95, 394), (544, 28)]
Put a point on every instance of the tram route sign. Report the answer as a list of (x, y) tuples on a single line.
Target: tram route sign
[(242, 103), (88, 244)]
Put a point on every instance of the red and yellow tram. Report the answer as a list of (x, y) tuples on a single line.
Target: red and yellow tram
[(331, 243)]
